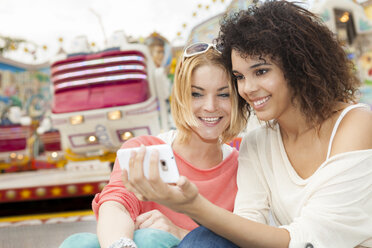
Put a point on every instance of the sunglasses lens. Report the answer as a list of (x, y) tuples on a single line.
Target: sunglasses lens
[(197, 48)]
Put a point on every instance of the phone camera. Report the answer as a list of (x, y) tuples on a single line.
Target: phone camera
[(164, 165)]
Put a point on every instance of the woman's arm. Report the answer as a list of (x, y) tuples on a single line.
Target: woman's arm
[(114, 222), (241, 231), (338, 205), (184, 198), (115, 207)]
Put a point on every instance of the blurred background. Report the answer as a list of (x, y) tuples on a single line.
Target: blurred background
[(79, 78)]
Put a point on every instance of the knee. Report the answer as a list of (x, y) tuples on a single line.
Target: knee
[(81, 240), (203, 237), (149, 237), (199, 237)]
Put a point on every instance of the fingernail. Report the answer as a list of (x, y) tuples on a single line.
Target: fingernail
[(142, 148)]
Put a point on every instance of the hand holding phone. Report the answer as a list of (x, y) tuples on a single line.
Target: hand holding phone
[(168, 170)]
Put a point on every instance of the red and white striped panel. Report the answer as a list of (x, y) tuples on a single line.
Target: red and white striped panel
[(106, 79), (14, 137)]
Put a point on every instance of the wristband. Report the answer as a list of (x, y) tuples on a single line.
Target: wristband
[(123, 242)]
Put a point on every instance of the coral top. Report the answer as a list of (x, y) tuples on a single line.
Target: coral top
[(217, 184)]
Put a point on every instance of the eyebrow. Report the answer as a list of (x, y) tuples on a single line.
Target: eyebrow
[(253, 66), (259, 64), (200, 88)]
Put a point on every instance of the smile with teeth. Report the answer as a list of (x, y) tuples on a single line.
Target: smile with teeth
[(261, 101), (210, 119)]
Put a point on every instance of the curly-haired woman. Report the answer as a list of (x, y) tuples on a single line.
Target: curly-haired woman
[(311, 165)]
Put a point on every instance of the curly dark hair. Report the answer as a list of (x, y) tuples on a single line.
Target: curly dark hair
[(314, 63)]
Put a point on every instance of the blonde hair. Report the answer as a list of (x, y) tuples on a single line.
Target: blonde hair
[(181, 97)]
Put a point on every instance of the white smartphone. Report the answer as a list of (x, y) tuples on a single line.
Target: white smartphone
[(168, 170)]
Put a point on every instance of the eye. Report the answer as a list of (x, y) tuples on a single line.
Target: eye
[(196, 94), (224, 95), (260, 72)]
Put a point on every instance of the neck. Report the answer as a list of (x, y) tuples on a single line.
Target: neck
[(294, 124), (200, 153)]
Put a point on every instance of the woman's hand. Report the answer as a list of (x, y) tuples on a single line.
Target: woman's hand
[(155, 219), (178, 197)]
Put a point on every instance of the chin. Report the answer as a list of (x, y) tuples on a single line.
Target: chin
[(264, 117), (209, 138)]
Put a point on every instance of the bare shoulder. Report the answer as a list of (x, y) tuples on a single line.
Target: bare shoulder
[(354, 132)]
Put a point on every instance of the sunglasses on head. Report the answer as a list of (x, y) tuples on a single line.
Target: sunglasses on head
[(198, 48)]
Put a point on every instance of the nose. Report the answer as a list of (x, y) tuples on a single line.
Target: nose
[(247, 87), (210, 104)]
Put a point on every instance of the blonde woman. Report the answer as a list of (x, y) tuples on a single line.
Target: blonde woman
[(207, 114)]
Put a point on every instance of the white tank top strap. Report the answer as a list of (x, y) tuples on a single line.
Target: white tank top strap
[(342, 115)]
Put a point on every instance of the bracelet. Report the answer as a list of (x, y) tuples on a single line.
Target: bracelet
[(123, 242)]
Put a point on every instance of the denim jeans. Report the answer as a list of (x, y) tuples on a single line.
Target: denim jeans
[(205, 238), (144, 238)]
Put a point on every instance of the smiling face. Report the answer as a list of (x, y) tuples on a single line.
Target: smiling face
[(262, 84), (210, 103)]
